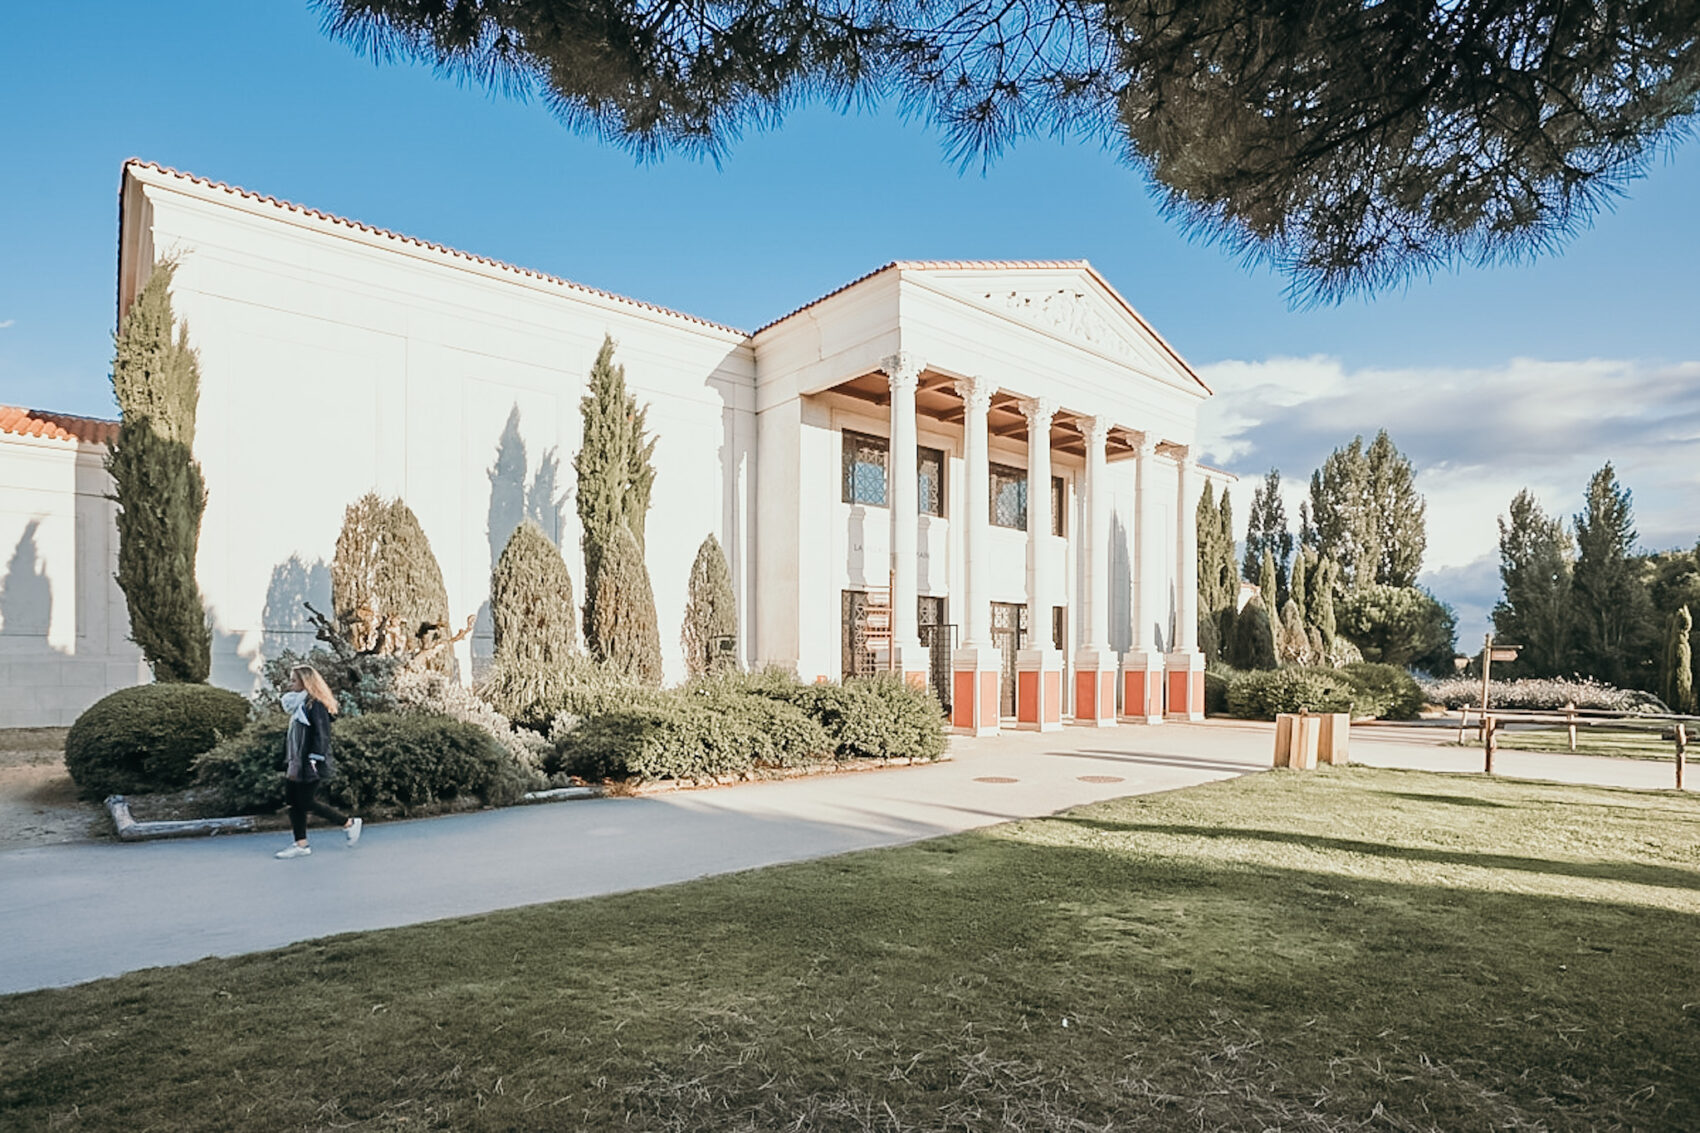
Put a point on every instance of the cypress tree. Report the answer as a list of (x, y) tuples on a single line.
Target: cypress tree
[(1682, 664), (1267, 581), (615, 476), (1322, 602), (1398, 510), (158, 485), (1227, 568), (1208, 526), (1254, 638), (531, 601), (384, 566), (624, 633), (1294, 648), (1298, 583), (711, 610)]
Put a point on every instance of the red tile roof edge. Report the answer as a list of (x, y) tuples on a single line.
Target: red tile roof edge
[(388, 234), (56, 426)]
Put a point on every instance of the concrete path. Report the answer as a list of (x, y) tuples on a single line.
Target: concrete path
[(80, 912)]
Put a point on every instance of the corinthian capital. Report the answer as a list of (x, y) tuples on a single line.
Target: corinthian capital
[(1096, 430), (1039, 411), (902, 371), (976, 393)]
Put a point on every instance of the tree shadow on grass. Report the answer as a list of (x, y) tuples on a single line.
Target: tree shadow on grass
[(1449, 800), (1635, 873)]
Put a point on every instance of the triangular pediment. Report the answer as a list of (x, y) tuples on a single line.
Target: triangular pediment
[(1072, 304)]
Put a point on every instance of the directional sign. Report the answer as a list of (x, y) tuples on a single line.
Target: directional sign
[(1503, 655)]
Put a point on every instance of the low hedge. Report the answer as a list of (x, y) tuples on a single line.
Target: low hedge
[(146, 738), (1386, 692), (734, 724), (1263, 693), (386, 762)]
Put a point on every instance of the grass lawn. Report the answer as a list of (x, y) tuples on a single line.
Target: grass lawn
[(1343, 949), (1593, 741)]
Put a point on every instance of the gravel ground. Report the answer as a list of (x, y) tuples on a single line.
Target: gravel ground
[(38, 801)]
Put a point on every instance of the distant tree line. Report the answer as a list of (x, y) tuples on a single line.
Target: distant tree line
[(1579, 598)]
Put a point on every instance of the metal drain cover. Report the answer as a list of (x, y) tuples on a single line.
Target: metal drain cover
[(995, 779), (1100, 778)]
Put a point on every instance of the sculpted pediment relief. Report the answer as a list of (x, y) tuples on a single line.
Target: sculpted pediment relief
[(1071, 309)]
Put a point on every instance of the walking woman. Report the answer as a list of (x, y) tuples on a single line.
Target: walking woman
[(310, 704)]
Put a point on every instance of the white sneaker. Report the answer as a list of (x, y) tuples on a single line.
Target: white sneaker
[(293, 852), (354, 830)]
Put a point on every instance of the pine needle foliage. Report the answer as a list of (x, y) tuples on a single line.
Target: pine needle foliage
[(157, 484), (1351, 145), (624, 633), (711, 611), (384, 567), (531, 601)]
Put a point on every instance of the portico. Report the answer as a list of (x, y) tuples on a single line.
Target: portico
[(1016, 491)]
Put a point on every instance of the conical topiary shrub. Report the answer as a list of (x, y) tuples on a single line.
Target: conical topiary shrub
[(623, 630), (384, 570), (711, 611)]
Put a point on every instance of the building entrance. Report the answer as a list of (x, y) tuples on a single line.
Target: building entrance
[(1009, 634)]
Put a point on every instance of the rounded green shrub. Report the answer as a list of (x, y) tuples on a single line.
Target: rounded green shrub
[(1386, 692), (1262, 694), (146, 738), (888, 719), (402, 762)]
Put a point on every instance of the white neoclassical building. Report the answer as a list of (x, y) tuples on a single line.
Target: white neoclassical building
[(980, 475)]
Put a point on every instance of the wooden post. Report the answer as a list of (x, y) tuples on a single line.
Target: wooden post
[(1489, 742), (1681, 751), (1570, 715), (1487, 661), (1463, 722)]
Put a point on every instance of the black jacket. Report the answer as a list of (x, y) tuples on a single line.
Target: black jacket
[(318, 728)]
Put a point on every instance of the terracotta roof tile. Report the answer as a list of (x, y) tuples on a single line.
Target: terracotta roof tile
[(287, 206), (56, 426)]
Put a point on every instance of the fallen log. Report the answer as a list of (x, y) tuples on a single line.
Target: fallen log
[(132, 831)]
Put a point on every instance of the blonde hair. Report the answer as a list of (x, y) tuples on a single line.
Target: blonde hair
[(316, 687)]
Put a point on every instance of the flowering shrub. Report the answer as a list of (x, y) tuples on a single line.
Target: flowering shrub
[(1540, 693)]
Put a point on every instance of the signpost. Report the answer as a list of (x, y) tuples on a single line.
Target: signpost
[(1490, 654)]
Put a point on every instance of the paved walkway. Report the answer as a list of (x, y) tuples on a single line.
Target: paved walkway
[(80, 912)]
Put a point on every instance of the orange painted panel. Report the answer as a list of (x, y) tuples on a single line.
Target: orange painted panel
[(1053, 697), (1133, 692), (1084, 702), (962, 703), (1027, 697), (1177, 692)]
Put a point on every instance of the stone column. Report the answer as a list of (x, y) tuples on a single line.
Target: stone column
[(976, 667), (1184, 662), (903, 374), (1095, 664), (1038, 668), (1143, 665)]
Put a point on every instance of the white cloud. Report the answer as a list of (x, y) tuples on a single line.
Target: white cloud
[(4, 323), (1475, 437)]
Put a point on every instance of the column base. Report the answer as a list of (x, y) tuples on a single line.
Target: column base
[(1038, 689), (977, 690), (1184, 684), (1095, 688), (1142, 687)]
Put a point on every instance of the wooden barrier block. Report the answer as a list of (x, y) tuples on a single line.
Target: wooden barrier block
[(1333, 743), (1296, 739)]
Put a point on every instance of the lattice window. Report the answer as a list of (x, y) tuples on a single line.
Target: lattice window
[(864, 469), (1058, 497), (929, 472), (1009, 496)]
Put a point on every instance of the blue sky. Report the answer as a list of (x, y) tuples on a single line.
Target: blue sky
[(1491, 380)]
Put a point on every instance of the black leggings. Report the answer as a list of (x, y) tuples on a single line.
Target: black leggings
[(303, 797)]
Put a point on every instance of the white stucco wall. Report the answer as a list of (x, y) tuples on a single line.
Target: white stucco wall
[(337, 361), (63, 624)]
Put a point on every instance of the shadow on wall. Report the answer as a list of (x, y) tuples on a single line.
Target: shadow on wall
[(285, 623), (1121, 587), (26, 593), (515, 498)]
